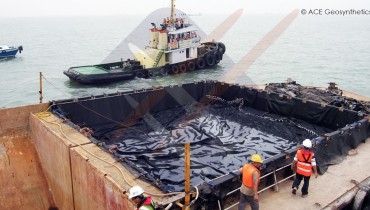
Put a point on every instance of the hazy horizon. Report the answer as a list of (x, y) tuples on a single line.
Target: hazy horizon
[(44, 8)]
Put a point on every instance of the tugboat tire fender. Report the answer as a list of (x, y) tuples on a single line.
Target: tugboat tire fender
[(191, 66), (201, 63), (182, 68), (210, 59), (175, 69), (163, 71), (221, 48), (140, 74), (218, 57)]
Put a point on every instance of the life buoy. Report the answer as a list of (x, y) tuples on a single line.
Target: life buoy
[(182, 68), (164, 71), (221, 48), (201, 63), (191, 66), (210, 59), (175, 69)]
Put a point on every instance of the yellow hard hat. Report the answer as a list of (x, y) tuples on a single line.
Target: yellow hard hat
[(256, 158)]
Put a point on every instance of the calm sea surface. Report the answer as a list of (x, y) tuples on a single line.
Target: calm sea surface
[(314, 50)]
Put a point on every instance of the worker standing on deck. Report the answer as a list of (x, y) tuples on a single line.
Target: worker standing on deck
[(250, 181), (142, 202), (304, 161)]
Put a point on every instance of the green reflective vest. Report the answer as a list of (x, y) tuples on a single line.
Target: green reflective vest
[(146, 207)]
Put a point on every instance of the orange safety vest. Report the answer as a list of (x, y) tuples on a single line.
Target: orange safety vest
[(304, 166), (248, 171)]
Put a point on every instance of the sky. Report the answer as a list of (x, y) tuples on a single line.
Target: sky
[(35, 8)]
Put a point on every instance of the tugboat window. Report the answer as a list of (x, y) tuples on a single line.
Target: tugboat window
[(167, 57)]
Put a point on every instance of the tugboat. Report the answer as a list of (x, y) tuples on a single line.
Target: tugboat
[(6, 52), (174, 47)]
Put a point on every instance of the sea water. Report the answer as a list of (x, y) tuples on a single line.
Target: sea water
[(313, 50)]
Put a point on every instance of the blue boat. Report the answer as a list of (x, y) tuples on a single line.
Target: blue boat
[(6, 52)]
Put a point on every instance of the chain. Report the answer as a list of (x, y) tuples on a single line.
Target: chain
[(240, 101)]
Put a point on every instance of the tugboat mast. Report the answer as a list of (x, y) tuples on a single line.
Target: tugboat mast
[(172, 12)]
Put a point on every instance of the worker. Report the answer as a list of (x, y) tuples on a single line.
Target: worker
[(142, 202), (250, 180), (304, 161)]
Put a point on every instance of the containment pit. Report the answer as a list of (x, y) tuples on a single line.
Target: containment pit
[(224, 123)]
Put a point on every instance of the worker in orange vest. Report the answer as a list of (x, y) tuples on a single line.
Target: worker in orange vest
[(250, 180), (304, 162)]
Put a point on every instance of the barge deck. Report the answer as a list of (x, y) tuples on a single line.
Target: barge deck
[(74, 173)]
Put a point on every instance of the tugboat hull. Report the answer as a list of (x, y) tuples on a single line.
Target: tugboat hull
[(100, 78), (209, 56)]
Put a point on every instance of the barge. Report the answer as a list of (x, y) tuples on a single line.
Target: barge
[(89, 152)]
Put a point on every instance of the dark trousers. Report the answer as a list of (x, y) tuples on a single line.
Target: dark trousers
[(306, 183), (245, 199)]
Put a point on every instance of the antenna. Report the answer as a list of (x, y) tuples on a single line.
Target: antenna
[(172, 12)]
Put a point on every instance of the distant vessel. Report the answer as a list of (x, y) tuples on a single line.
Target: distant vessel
[(6, 52), (174, 47)]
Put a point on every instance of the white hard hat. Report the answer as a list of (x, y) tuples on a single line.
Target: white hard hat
[(307, 143), (135, 191)]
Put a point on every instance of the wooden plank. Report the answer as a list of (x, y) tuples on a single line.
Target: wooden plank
[(187, 175)]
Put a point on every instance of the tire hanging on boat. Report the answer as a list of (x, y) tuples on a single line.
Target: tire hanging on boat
[(217, 55), (201, 64), (191, 66), (182, 68), (163, 71), (221, 48), (140, 74), (210, 59), (150, 73), (175, 69)]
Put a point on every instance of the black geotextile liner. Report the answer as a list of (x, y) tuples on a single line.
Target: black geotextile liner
[(225, 125)]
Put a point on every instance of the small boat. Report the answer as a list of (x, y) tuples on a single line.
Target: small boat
[(6, 52), (174, 47)]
